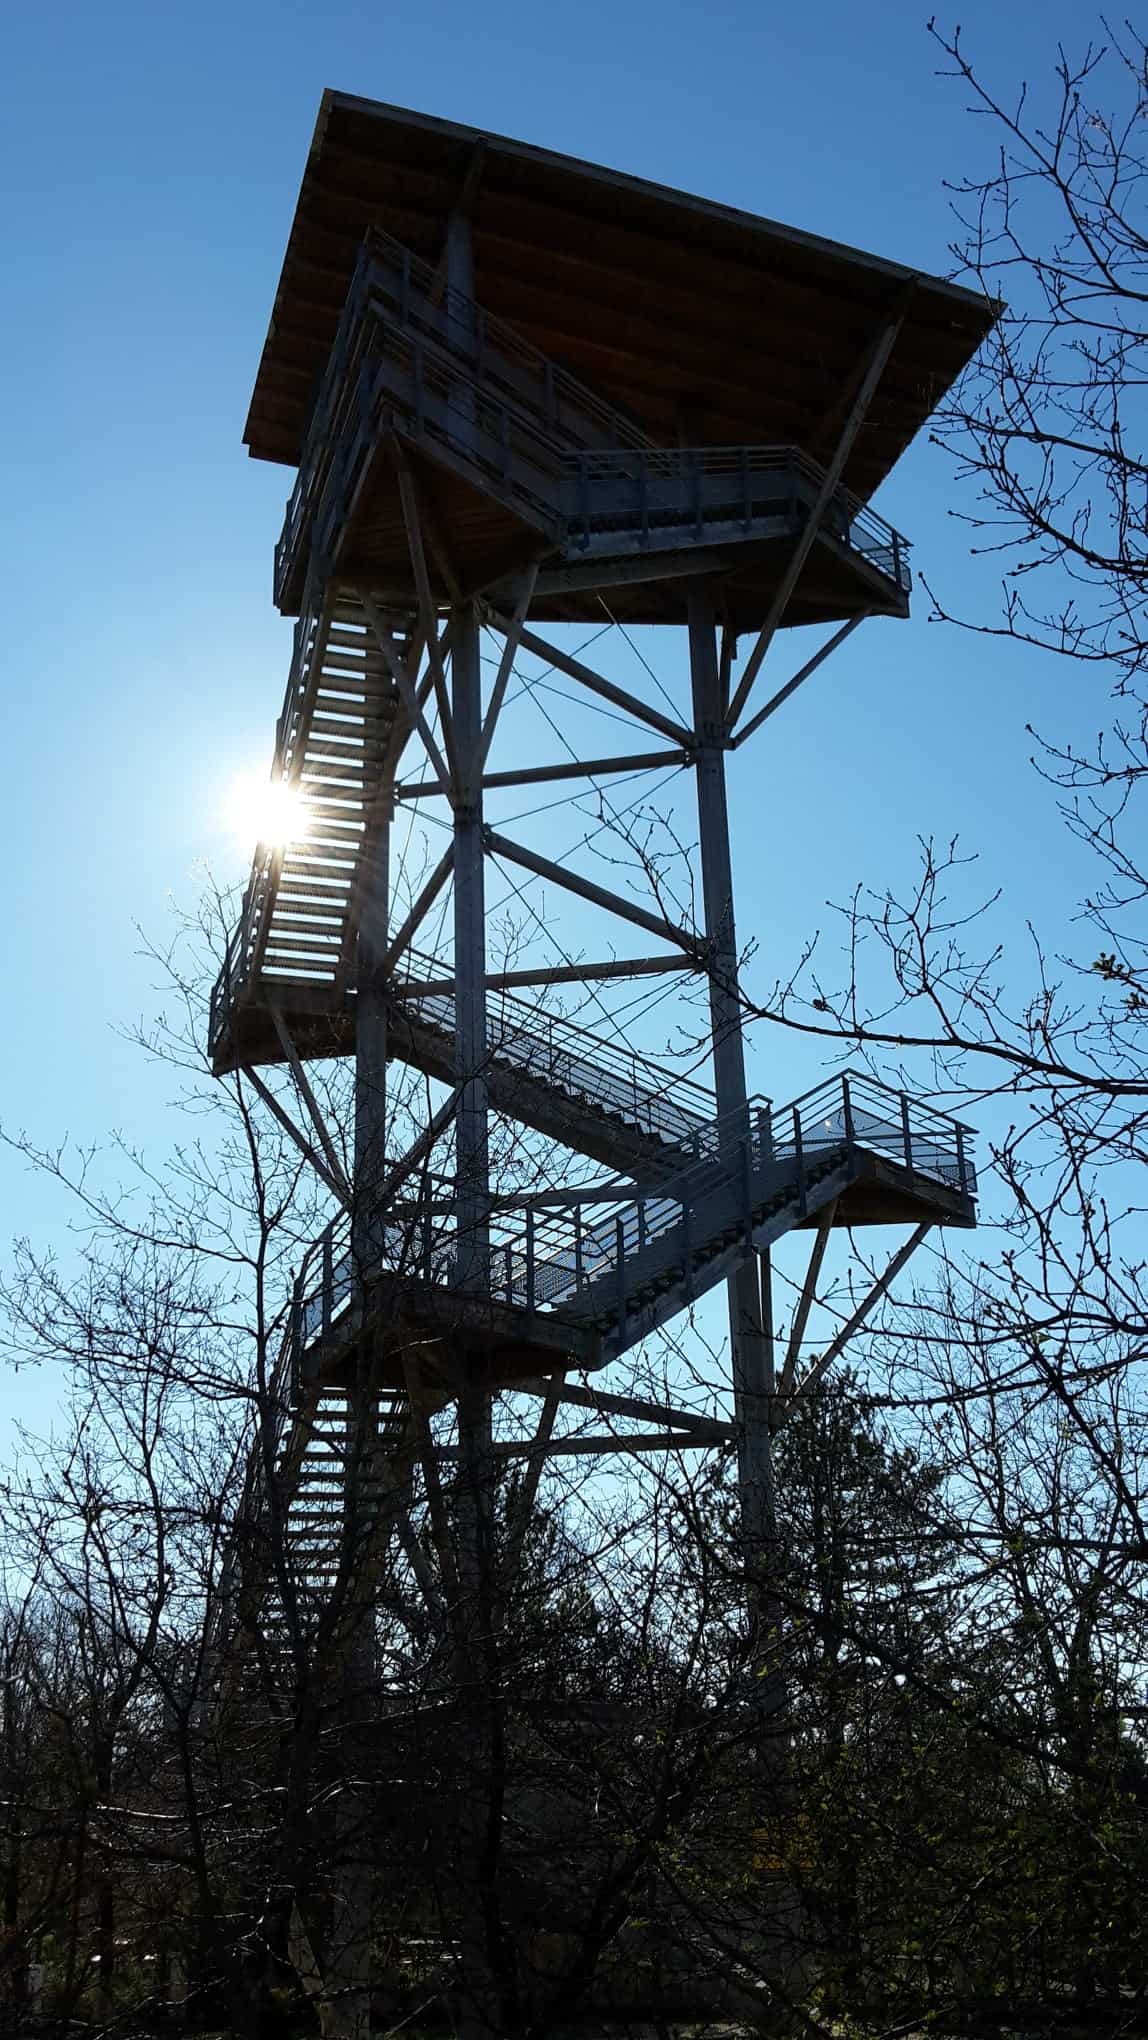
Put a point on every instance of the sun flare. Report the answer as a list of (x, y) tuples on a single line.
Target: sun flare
[(261, 810)]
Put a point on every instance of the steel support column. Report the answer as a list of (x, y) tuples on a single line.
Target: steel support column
[(371, 1055), (472, 1161), (751, 1357)]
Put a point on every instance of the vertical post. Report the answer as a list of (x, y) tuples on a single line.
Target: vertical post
[(530, 1257), (328, 1280), (907, 1133), (470, 1046), (474, 1516), (370, 1057), (748, 1345)]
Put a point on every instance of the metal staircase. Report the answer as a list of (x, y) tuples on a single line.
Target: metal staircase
[(340, 714), (877, 1155)]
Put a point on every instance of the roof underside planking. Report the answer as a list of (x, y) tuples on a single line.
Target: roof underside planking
[(698, 320)]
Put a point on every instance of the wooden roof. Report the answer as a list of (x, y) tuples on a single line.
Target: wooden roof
[(695, 318)]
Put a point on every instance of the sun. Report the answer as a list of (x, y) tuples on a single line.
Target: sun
[(261, 810)]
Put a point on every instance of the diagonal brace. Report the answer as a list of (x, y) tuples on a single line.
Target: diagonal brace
[(501, 846), (805, 1300), (881, 350), (858, 1318), (596, 684), (308, 1096), (412, 697), (420, 909), (336, 1184)]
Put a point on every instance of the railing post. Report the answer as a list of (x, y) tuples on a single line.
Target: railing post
[(579, 1270), (847, 1106), (765, 1129), (328, 1281), (620, 1271), (961, 1159), (508, 1266), (530, 1257), (897, 558), (747, 1190), (296, 1367), (906, 1132), (687, 1248), (643, 1233), (799, 1157)]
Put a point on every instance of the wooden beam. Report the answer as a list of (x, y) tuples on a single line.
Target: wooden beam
[(501, 846)]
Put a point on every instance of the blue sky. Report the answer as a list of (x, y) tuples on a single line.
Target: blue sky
[(149, 161)]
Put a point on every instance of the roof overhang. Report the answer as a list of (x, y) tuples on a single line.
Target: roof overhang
[(701, 321)]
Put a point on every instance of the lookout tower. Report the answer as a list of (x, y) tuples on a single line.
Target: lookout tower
[(522, 391)]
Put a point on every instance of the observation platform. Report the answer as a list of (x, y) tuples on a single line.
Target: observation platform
[(688, 317), (565, 1292), (523, 465)]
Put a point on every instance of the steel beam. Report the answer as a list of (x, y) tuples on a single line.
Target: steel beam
[(854, 1324), (595, 683), (506, 662), (514, 853), (749, 1353), (408, 497), (805, 1300), (336, 1184), (605, 1403), (310, 1101), (471, 1159), (777, 700), (542, 775), (562, 974), (412, 696), (420, 909), (878, 356)]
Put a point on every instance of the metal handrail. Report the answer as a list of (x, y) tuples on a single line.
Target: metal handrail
[(659, 1101), (541, 1259), (476, 385), (678, 481)]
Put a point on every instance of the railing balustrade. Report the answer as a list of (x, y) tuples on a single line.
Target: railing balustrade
[(472, 383), (545, 1259)]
